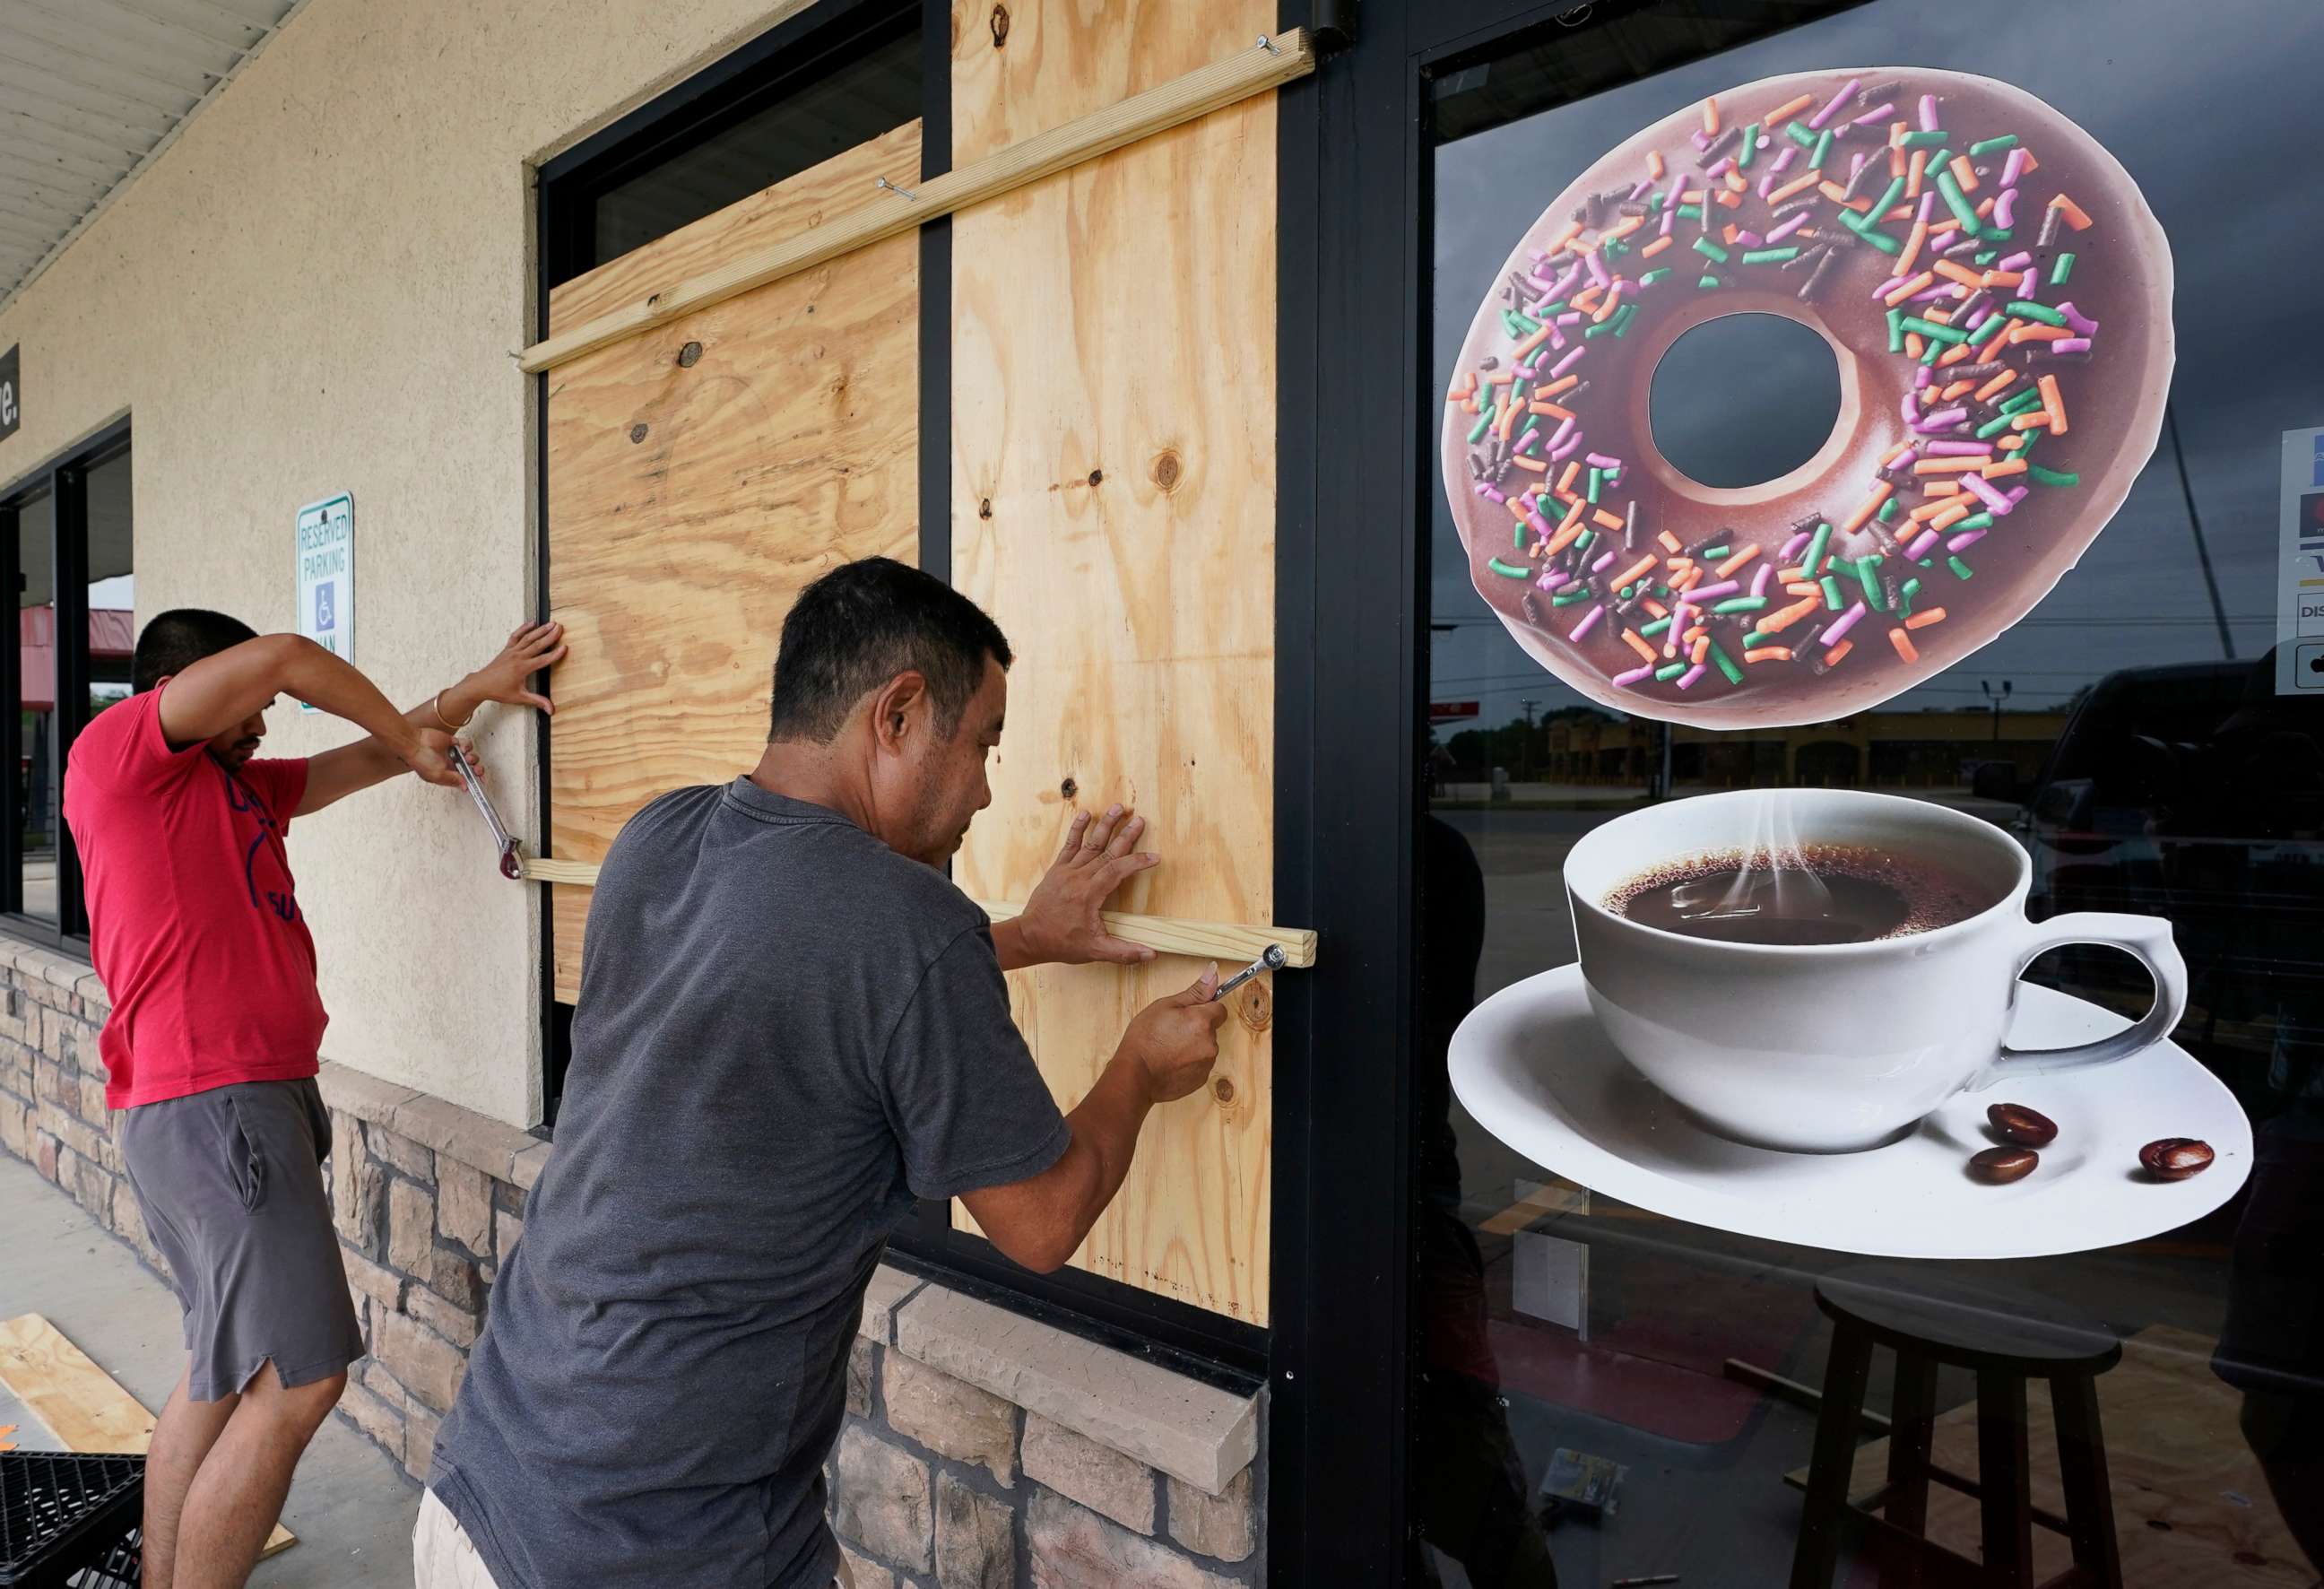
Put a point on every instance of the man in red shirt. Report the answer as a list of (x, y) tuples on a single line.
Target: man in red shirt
[(211, 1049)]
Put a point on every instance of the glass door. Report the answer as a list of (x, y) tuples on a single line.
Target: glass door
[(1604, 1392)]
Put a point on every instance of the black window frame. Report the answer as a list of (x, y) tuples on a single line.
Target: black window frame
[(1207, 1346), (751, 79), (64, 476)]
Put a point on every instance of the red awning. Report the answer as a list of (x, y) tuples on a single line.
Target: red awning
[(112, 632)]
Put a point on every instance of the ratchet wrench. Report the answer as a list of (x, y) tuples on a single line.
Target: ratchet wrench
[(1272, 960), (512, 863)]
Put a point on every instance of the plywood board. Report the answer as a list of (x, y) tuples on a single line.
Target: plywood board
[(1253, 69), (2190, 1505), (689, 503), (78, 1401), (1114, 508), (770, 216)]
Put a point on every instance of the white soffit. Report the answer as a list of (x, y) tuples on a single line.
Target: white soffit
[(91, 91)]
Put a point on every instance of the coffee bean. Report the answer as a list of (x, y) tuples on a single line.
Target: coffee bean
[(1999, 1166), (2174, 1158), (2015, 1122)]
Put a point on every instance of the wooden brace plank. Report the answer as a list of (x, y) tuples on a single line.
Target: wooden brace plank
[(78, 1401), (1219, 940), (1250, 71), (1222, 940)]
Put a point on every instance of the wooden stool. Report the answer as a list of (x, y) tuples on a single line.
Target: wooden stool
[(2006, 1338)]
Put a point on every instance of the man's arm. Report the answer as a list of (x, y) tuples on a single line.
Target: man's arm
[(1061, 922), (223, 690), (1167, 1053), (335, 774)]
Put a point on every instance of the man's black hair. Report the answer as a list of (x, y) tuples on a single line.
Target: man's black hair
[(172, 641), (863, 624)]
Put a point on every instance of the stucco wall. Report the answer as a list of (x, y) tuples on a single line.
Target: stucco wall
[(318, 288)]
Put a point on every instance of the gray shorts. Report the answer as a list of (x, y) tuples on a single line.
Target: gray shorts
[(231, 1184)]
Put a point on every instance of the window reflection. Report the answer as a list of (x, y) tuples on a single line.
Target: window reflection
[(112, 583), (809, 123), (35, 807), (2128, 734)]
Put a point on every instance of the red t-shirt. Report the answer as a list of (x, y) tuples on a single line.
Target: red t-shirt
[(193, 919)]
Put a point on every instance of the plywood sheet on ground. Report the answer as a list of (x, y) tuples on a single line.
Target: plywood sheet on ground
[(80, 1404), (689, 503), (2190, 1505), (1113, 507)]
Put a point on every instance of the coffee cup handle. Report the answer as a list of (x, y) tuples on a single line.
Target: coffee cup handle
[(2146, 938)]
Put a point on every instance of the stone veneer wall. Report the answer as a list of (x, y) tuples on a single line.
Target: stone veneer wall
[(980, 1450)]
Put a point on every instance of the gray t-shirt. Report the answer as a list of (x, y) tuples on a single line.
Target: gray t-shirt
[(787, 1032)]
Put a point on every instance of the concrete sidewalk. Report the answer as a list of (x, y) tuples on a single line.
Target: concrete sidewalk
[(351, 1507)]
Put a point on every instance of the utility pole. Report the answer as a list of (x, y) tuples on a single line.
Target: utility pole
[(1525, 750), (1986, 685)]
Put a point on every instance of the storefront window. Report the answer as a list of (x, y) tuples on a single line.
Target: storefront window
[(860, 99), (740, 135), (66, 535), (1607, 1393), (111, 585), (34, 806)]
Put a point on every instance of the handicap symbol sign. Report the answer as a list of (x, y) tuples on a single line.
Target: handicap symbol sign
[(327, 617)]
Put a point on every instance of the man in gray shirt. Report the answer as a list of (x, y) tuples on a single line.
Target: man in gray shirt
[(791, 1026)]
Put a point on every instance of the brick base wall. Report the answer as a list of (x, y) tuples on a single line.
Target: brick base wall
[(980, 1450), (52, 1112), (974, 1475)]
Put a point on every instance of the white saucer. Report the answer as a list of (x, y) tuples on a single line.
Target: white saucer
[(1532, 1067)]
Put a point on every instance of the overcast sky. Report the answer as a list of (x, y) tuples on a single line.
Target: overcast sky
[(2213, 108)]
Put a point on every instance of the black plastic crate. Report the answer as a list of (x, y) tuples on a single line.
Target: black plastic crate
[(69, 1519)]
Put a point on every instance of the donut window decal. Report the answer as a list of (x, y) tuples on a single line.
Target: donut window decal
[(1996, 294)]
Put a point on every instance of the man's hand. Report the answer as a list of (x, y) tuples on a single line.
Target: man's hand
[(507, 678), (334, 774), (431, 758), (1167, 1053), (1175, 1041), (1061, 921)]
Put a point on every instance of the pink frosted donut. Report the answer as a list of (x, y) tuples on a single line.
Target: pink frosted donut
[(1997, 295)]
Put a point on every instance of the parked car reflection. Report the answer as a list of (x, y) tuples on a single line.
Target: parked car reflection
[(2195, 794)]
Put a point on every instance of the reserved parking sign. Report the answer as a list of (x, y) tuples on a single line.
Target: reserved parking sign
[(326, 550)]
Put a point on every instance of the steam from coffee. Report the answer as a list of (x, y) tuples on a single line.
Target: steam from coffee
[(1774, 879), (1781, 889)]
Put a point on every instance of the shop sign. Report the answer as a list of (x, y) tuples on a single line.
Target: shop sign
[(12, 393), (1450, 711), (326, 545), (2300, 566)]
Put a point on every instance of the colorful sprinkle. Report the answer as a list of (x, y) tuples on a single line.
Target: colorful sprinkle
[(1953, 301)]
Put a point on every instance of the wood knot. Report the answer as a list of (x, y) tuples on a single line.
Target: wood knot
[(1255, 1008), (1069, 788), (984, 507), (1000, 24), (690, 356), (1223, 1089), (1097, 477), (638, 432), (1168, 468)]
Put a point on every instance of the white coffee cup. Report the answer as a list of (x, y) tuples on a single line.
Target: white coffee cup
[(1833, 1048)]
